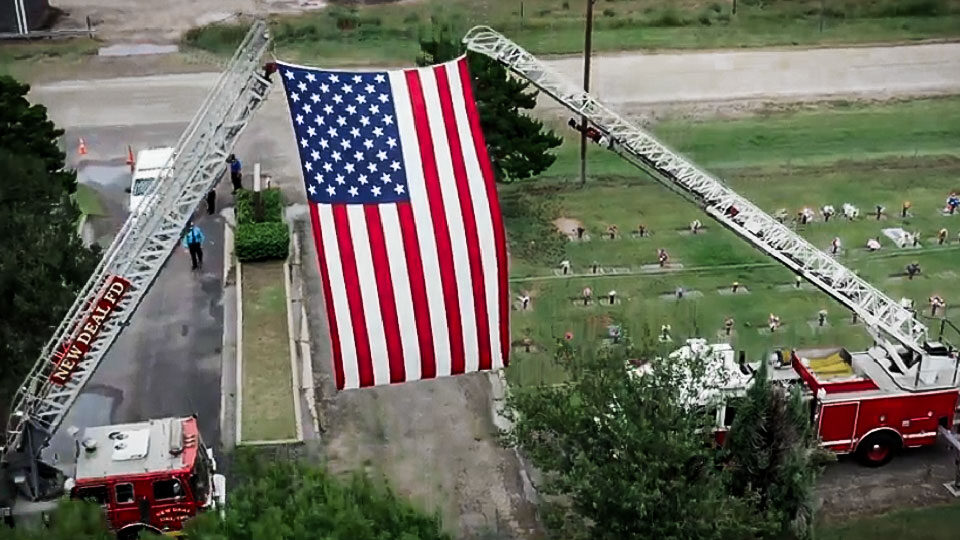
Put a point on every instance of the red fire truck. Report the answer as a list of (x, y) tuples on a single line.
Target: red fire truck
[(857, 407), (148, 476)]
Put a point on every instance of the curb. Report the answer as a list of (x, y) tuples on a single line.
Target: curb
[(227, 361), (306, 356), (294, 373), (239, 409)]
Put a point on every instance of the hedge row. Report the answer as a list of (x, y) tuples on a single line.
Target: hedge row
[(262, 241), (272, 206), (261, 233)]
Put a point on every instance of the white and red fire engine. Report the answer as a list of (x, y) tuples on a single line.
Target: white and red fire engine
[(871, 403), (152, 475)]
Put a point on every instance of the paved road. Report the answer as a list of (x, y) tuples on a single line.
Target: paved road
[(167, 362)]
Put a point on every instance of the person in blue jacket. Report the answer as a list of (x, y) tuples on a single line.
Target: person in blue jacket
[(236, 172), (193, 241)]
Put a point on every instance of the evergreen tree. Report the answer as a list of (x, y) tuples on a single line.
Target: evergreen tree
[(43, 264), (624, 454), (282, 500), (773, 456), (518, 145)]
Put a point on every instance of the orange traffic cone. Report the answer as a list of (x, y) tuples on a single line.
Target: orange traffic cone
[(82, 149), (130, 160)]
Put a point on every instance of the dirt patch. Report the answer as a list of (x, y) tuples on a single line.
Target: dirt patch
[(567, 226), (436, 443)]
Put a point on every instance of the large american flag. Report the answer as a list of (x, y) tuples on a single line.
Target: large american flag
[(406, 221)]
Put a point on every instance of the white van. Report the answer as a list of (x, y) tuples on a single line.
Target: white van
[(150, 165)]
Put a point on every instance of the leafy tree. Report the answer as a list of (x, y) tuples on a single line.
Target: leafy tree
[(624, 453), (285, 500), (43, 264), (72, 520), (518, 144), (773, 455)]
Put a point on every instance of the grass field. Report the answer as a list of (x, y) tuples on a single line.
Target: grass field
[(387, 34), (88, 201), (881, 154), (932, 523), (21, 59), (267, 382)]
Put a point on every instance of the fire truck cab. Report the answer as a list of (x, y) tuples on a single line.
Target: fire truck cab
[(147, 476)]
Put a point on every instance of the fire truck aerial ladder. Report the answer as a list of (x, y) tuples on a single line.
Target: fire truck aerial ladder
[(903, 351), (129, 267)]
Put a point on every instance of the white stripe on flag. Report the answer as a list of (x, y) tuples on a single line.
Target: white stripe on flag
[(401, 290), (369, 295), (481, 210), (420, 207), (338, 290), (455, 224)]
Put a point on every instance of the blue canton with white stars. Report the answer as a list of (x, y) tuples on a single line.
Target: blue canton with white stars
[(346, 128)]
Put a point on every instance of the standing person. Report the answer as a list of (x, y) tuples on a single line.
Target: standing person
[(236, 172), (212, 201), (193, 241)]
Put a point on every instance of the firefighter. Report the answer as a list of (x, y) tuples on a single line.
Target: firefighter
[(211, 201), (236, 172), (193, 241), (941, 236)]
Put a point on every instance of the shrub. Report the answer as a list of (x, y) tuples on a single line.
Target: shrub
[(272, 206), (530, 231), (218, 38), (669, 17), (912, 8), (609, 12), (262, 241)]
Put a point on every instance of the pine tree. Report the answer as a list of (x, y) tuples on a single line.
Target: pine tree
[(519, 146), (43, 264), (773, 456)]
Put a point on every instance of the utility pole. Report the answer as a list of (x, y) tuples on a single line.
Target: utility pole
[(587, 43)]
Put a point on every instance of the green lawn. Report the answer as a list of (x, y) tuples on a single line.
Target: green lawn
[(21, 59), (267, 381), (931, 523), (859, 165), (388, 33), (88, 201)]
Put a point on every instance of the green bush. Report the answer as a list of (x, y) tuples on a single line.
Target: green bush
[(262, 241), (913, 8), (222, 38), (272, 206)]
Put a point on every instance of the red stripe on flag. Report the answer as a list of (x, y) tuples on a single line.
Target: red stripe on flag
[(441, 232), (480, 146), (388, 302), (352, 284), (327, 298), (418, 291), (469, 218)]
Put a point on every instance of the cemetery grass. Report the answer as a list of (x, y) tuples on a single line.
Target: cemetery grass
[(860, 167), (387, 34), (936, 522)]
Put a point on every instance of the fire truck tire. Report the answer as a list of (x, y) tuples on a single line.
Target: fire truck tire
[(132, 532), (878, 449)]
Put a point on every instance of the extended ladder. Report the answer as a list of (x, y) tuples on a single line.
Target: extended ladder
[(143, 244), (877, 310)]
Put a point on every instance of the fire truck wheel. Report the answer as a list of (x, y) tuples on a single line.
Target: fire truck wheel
[(878, 449), (132, 532)]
